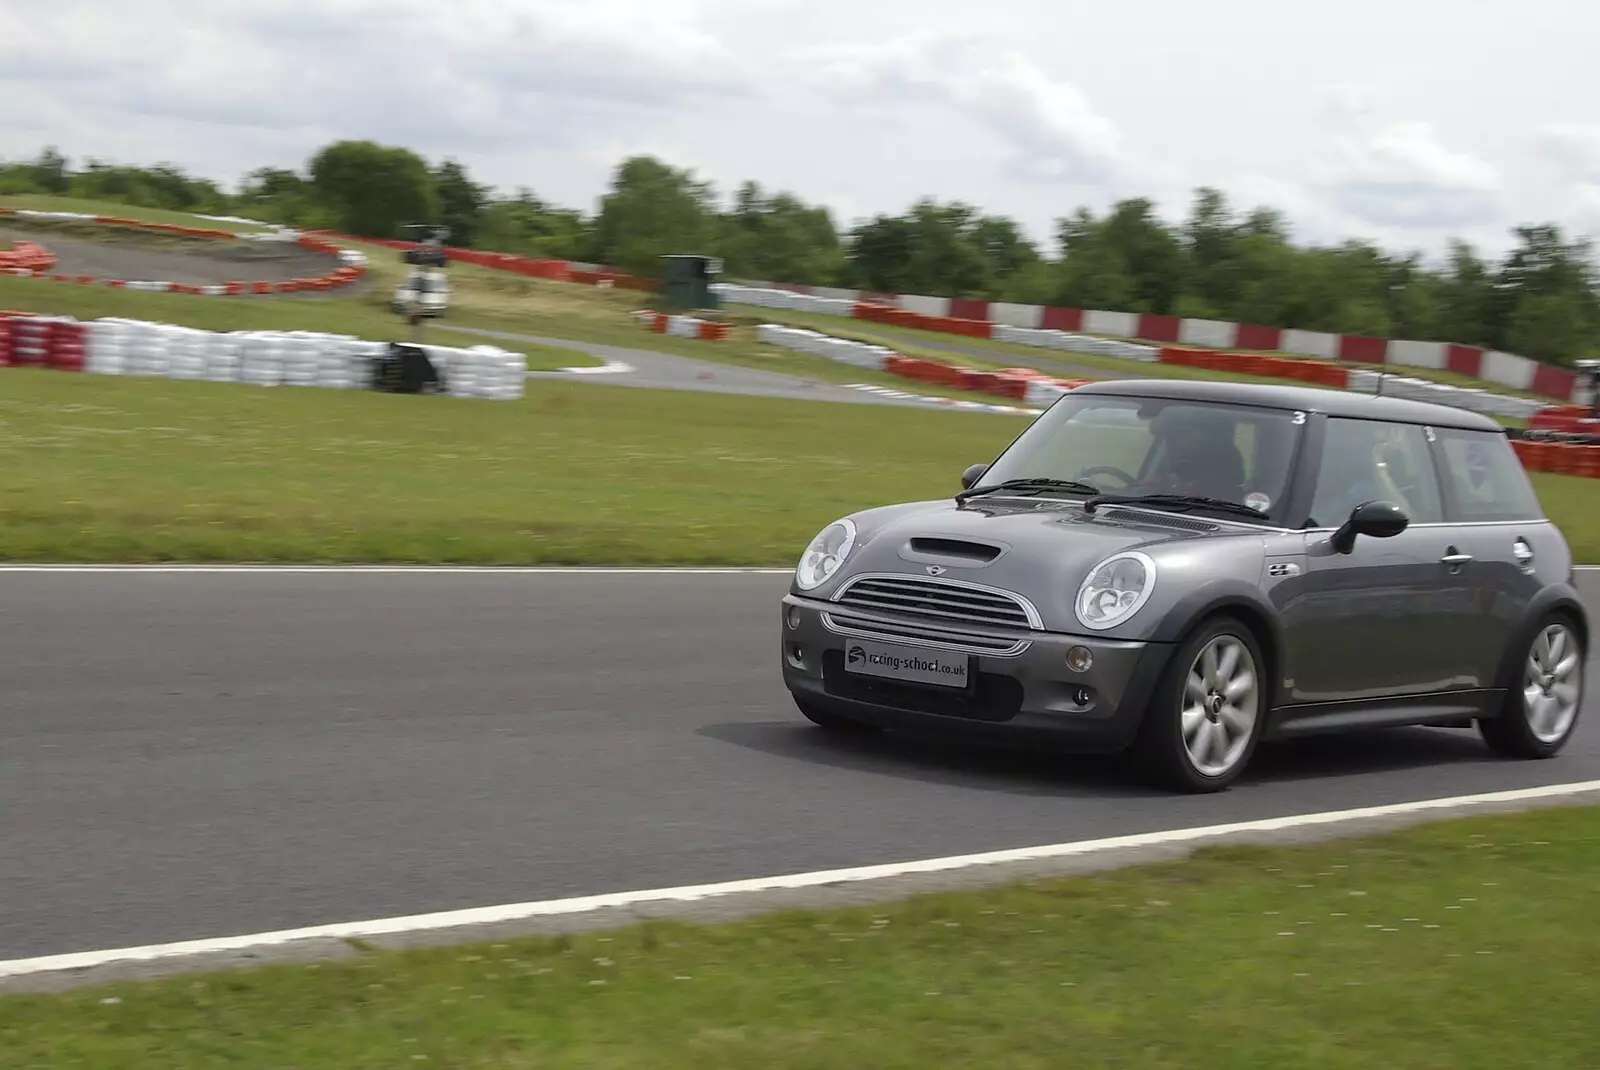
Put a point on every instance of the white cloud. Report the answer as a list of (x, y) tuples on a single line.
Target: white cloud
[(1572, 148), (1367, 127), (461, 77), (1051, 130), (1402, 176)]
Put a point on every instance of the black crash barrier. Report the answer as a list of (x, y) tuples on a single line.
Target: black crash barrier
[(404, 368)]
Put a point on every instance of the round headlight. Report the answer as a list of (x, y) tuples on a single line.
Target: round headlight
[(825, 554), (1115, 590)]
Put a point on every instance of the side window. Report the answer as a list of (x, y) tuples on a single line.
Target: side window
[(1483, 477), (1369, 460)]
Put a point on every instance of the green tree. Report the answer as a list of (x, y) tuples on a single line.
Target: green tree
[(653, 210), (373, 189), (461, 202)]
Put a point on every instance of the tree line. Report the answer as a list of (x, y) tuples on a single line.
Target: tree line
[(1542, 299)]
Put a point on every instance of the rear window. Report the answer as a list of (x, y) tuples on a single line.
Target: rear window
[(1484, 481)]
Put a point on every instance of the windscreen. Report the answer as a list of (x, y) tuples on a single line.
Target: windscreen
[(1236, 453)]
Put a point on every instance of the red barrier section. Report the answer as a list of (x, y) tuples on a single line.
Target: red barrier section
[(1153, 328), (1062, 319), (1551, 381), (963, 308), (1464, 360), (1255, 336), (1363, 350), (1315, 372), (29, 341)]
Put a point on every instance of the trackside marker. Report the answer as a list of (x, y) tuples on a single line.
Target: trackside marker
[(692, 893)]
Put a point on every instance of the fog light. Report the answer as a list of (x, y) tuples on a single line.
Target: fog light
[(1080, 658), (792, 618)]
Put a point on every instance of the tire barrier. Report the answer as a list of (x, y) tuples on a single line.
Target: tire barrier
[(1008, 383), (681, 326), (1565, 452), (26, 256), (981, 319), (29, 341), (352, 263), (116, 346), (1019, 384)]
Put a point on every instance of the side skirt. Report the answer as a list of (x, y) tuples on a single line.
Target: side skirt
[(1452, 709)]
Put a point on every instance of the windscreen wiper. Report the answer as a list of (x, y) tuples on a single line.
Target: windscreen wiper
[(1036, 484), (1174, 501)]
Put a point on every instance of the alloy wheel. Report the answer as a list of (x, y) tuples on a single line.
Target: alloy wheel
[(1551, 682), (1221, 702)]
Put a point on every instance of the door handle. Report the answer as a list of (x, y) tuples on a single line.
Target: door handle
[(1455, 558)]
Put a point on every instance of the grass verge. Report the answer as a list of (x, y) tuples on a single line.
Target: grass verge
[(103, 468), (107, 468), (1415, 949)]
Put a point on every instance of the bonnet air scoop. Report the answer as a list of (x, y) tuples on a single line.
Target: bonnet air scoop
[(961, 550)]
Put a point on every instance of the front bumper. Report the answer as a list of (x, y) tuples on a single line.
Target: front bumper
[(1030, 697)]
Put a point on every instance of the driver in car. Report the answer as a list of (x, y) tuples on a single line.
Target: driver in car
[(1200, 457)]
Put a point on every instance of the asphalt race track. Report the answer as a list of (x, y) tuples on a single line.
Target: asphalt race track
[(201, 754), (667, 371)]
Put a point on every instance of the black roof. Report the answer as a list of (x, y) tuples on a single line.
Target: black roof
[(1324, 400)]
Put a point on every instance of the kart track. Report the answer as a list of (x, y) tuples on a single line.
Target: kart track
[(196, 263), (202, 753)]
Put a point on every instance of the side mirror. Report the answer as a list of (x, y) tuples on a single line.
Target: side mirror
[(973, 473), (1376, 520)]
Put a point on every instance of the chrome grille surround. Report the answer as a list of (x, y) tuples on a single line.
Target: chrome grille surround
[(950, 614)]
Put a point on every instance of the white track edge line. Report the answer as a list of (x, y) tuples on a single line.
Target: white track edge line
[(688, 893)]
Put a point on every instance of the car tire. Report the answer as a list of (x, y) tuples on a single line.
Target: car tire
[(1226, 707), (833, 722), (1544, 696)]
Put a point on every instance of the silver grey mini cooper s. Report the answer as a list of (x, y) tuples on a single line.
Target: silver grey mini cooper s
[(1179, 570)]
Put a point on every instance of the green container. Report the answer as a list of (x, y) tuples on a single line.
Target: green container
[(686, 282)]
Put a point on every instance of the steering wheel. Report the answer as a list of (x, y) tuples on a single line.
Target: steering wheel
[(1109, 470)]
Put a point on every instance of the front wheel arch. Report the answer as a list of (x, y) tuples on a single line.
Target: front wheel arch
[(1268, 632)]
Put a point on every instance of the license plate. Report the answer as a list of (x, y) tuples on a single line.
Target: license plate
[(911, 665)]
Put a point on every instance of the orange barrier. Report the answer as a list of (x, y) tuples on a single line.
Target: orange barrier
[(1316, 372), (26, 256)]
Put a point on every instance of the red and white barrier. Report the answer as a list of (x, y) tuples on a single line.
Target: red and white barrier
[(970, 317), (993, 319), (115, 346), (1037, 388), (680, 326)]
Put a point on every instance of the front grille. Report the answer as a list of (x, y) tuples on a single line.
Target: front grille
[(934, 602), (927, 635)]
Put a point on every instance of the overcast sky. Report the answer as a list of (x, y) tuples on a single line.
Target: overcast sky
[(1405, 121)]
